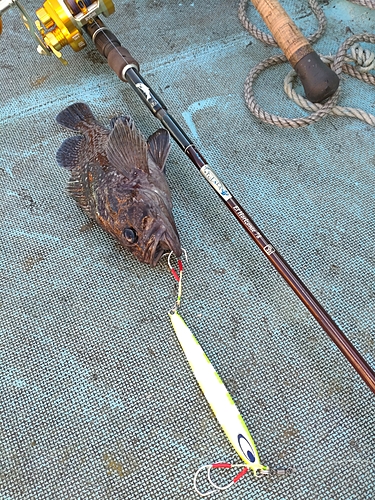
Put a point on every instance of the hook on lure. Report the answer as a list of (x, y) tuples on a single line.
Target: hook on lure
[(179, 262), (177, 276), (215, 486), (281, 471)]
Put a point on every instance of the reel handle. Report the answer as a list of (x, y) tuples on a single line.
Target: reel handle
[(318, 80)]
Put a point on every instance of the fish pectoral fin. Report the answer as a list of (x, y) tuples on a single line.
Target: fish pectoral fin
[(77, 191), (127, 148), (67, 155), (159, 145)]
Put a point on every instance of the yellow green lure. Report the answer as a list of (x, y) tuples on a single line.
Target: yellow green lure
[(218, 396)]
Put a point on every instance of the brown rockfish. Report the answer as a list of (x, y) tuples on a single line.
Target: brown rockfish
[(118, 179)]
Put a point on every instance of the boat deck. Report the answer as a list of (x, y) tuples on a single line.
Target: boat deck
[(97, 400)]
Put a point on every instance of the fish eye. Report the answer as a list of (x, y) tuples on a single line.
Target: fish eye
[(130, 235)]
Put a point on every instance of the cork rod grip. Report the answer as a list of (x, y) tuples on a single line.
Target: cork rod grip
[(318, 80), (285, 32)]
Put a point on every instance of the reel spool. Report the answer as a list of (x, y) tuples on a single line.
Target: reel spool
[(60, 22)]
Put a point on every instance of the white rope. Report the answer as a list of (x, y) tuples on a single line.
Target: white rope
[(336, 110), (366, 3), (364, 62)]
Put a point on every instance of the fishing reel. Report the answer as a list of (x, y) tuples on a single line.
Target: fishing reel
[(60, 22)]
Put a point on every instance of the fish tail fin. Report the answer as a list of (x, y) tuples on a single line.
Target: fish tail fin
[(78, 116)]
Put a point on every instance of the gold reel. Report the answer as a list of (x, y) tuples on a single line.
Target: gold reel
[(61, 21)]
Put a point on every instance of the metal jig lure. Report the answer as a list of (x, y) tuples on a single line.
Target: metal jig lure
[(217, 396)]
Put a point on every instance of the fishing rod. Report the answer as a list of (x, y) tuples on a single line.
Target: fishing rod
[(61, 23), (127, 69)]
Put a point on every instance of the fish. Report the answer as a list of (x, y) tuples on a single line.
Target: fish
[(117, 178)]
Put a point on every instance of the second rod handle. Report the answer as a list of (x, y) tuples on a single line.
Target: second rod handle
[(318, 80)]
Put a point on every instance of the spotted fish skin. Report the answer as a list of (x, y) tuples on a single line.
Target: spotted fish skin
[(118, 179)]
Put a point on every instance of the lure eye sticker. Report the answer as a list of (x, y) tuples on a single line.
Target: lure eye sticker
[(246, 448)]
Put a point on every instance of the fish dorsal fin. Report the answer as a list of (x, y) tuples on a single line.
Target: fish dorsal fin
[(127, 148), (125, 118), (159, 145)]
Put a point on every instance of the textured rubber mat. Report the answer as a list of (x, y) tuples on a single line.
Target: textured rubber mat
[(96, 398)]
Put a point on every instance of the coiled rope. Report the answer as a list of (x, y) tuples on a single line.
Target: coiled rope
[(364, 61), (366, 3)]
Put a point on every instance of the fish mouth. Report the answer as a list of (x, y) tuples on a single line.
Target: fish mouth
[(161, 243)]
